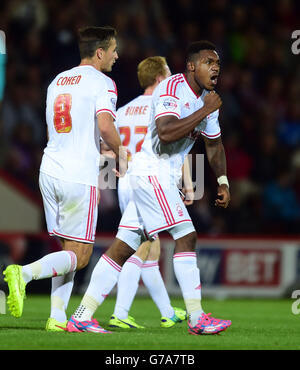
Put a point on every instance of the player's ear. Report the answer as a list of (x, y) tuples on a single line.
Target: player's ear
[(159, 78), (190, 66), (99, 53)]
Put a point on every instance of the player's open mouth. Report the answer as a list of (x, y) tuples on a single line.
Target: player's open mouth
[(214, 79)]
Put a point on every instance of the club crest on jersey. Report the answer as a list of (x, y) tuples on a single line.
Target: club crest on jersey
[(170, 103)]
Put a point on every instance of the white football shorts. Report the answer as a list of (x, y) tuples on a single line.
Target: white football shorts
[(124, 192), (153, 208), (71, 210)]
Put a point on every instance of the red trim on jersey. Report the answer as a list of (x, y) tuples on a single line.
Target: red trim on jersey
[(166, 114), (115, 86), (170, 92), (170, 84), (167, 91), (198, 96), (168, 226), (169, 95), (210, 136), (106, 110), (174, 84)]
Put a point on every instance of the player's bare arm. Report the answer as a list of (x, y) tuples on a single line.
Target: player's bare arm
[(170, 128), (217, 161), (108, 132), (106, 151), (111, 137)]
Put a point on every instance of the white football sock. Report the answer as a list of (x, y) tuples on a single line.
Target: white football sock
[(104, 277), (128, 284), (154, 283), (61, 290), (51, 265), (188, 276)]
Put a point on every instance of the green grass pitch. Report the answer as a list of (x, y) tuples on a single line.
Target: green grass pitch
[(256, 324)]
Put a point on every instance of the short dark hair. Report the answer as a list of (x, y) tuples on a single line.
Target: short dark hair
[(93, 38), (195, 48)]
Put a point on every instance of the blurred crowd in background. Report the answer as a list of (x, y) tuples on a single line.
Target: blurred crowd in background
[(259, 86)]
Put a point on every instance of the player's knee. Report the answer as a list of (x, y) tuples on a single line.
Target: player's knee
[(187, 243), (119, 252), (154, 253), (143, 250), (82, 261), (191, 241), (83, 253)]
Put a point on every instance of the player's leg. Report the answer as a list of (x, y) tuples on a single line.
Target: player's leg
[(53, 264), (75, 256), (153, 281), (62, 285), (128, 284), (130, 225), (71, 223), (104, 277), (166, 211), (188, 275), (61, 289)]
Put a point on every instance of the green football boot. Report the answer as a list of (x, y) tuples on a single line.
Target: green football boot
[(128, 323), (16, 286), (179, 316)]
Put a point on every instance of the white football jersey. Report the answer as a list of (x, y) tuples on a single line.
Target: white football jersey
[(74, 99), (173, 96), (132, 123)]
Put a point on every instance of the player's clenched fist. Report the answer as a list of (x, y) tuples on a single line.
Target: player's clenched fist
[(212, 101)]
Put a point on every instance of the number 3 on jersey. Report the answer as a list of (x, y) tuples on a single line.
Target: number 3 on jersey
[(62, 117)]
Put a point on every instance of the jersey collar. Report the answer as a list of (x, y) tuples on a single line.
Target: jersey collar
[(190, 88)]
